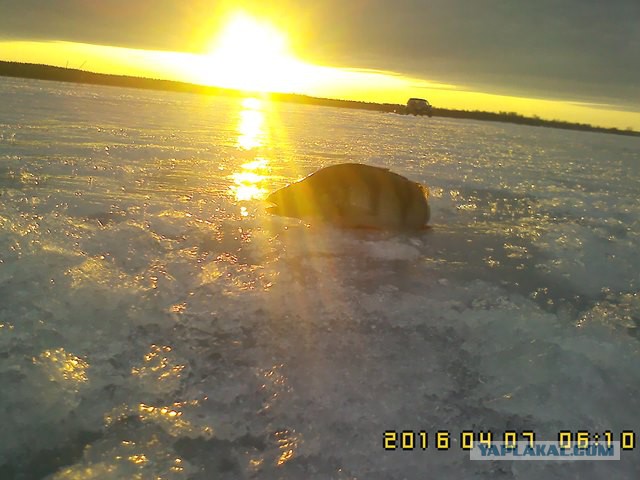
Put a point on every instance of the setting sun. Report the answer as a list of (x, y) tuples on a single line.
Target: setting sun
[(252, 55), (244, 50)]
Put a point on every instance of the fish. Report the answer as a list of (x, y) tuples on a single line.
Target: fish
[(355, 195)]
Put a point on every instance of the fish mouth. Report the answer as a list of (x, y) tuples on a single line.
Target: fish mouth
[(274, 209)]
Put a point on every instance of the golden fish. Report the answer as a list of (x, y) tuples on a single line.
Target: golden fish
[(353, 195)]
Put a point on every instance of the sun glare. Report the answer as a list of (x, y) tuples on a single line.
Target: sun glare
[(252, 55)]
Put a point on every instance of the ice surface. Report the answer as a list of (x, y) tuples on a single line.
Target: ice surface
[(155, 322)]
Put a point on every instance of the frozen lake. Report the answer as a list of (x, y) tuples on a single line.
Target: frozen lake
[(155, 322)]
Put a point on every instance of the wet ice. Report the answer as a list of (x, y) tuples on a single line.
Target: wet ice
[(155, 322)]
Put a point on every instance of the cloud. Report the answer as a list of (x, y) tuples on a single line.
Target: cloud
[(143, 24), (582, 48), (578, 49)]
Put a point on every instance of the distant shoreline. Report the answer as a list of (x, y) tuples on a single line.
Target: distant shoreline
[(47, 72)]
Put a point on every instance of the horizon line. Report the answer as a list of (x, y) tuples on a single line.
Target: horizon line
[(292, 97)]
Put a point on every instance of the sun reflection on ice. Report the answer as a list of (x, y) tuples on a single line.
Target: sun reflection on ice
[(248, 182), (251, 124), (168, 417), (287, 443), (247, 186), (161, 370), (157, 364), (62, 366)]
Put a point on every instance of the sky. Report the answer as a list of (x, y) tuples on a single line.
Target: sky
[(576, 60)]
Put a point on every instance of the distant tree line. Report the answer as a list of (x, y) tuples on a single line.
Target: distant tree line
[(47, 72), (60, 74), (513, 117)]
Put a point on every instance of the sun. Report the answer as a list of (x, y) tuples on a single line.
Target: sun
[(252, 55)]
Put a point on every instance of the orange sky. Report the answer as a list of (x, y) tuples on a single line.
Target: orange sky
[(251, 54)]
